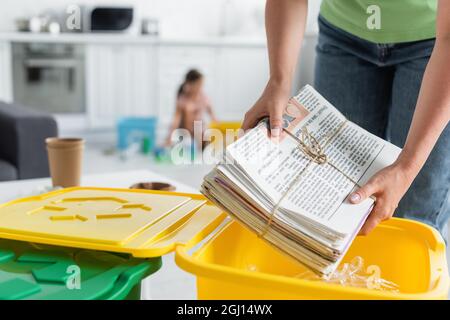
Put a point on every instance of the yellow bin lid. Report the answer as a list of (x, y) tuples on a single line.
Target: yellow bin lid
[(139, 222)]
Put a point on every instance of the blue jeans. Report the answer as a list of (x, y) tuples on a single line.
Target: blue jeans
[(376, 86)]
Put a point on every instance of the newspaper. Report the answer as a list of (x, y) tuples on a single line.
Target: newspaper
[(298, 204)]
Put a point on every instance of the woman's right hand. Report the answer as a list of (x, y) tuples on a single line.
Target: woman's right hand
[(271, 104)]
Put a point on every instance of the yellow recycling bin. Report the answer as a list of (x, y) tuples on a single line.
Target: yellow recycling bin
[(234, 263), (237, 264)]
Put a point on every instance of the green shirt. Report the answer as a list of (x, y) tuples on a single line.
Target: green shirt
[(383, 21)]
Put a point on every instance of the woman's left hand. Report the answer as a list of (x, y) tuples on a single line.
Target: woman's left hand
[(388, 186)]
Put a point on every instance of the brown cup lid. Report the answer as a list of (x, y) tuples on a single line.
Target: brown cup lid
[(162, 186), (55, 142)]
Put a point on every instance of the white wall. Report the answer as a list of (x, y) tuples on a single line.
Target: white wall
[(177, 17)]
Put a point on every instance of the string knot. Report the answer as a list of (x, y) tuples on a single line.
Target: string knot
[(314, 151), (311, 147)]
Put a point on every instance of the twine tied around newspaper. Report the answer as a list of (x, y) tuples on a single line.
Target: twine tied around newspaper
[(315, 152)]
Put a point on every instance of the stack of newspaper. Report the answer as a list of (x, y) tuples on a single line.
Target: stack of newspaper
[(293, 191)]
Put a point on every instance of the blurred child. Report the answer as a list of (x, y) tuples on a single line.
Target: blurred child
[(192, 103)]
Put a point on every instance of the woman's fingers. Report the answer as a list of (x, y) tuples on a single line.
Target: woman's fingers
[(250, 120), (276, 121), (388, 185), (381, 211), (371, 222), (271, 104), (369, 189)]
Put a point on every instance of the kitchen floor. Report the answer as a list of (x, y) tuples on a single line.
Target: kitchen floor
[(172, 283)]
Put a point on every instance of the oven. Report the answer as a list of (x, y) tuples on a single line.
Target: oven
[(49, 77)]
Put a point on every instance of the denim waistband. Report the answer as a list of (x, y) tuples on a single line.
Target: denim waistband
[(381, 54)]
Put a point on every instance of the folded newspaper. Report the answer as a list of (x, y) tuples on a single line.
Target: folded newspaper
[(293, 191)]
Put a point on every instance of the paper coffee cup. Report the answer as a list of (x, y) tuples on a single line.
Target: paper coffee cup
[(65, 156)]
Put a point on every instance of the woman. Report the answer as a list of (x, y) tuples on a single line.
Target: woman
[(390, 77), (191, 106)]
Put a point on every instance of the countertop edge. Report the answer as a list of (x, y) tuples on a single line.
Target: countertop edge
[(134, 39)]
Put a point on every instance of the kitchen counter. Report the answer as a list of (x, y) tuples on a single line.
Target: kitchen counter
[(130, 39)]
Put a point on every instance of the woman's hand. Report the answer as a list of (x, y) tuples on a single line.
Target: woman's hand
[(272, 104), (388, 186)]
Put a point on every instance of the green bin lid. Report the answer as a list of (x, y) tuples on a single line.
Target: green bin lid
[(35, 271)]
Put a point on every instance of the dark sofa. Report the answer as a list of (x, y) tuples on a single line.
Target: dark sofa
[(23, 154)]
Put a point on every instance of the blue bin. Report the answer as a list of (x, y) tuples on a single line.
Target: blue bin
[(135, 130)]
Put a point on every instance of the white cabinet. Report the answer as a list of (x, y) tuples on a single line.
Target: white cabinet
[(6, 93), (120, 81), (143, 79), (243, 75)]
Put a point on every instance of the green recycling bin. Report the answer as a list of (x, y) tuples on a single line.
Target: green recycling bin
[(45, 272)]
